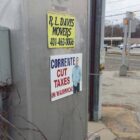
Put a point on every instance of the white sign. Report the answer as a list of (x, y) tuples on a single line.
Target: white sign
[(66, 75)]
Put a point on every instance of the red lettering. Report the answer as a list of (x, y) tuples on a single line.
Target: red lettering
[(61, 92), (58, 73), (53, 95), (58, 83), (55, 82), (68, 80), (64, 91), (62, 82), (61, 72), (58, 93), (65, 71)]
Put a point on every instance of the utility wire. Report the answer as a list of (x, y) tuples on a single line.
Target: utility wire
[(115, 15), (121, 14), (136, 5), (110, 2)]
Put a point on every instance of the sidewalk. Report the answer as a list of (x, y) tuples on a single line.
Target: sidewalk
[(99, 129), (121, 90), (121, 108), (121, 104)]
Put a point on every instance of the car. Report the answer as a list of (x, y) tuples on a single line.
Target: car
[(133, 46), (128, 46), (120, 46), (137, 46)]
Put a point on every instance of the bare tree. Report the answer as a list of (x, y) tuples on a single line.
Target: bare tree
[(113, 31)]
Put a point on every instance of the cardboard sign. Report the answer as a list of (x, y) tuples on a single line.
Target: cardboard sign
[(65, 75), (61, 30)]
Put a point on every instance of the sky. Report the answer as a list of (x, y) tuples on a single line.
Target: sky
[(115, 7)]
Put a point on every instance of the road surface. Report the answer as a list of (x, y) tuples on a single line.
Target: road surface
[(113, 62)]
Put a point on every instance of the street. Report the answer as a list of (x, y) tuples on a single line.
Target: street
[(113, 62)]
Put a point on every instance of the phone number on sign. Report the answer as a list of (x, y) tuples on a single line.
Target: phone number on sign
[(62, 41)]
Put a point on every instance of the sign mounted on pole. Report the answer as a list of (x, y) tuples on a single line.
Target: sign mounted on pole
[(61, 30), (65, 75)]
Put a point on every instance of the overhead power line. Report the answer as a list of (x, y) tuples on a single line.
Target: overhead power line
[(110, 2), (136, 5), (121, 14), (115, 15)]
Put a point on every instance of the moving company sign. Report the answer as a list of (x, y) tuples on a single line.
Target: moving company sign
[(61, 30), (65, 75)]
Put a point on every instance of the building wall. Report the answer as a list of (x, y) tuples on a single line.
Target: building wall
[(135, 41)]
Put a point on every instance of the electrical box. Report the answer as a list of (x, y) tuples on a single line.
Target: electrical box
[(5, 64)]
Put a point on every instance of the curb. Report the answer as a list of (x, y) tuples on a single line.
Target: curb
[(134, 54), (114, 53)]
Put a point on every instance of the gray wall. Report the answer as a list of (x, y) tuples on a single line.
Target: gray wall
[(65, 119)]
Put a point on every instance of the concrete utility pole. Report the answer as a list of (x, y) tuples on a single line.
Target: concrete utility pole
[(32, 44), (126, 45), (112, 34), (132, 26), (124, 53)]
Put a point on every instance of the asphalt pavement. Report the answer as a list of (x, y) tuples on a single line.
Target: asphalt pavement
[(113, 61)]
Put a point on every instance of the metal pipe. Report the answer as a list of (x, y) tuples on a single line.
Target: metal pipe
[(95, 43)]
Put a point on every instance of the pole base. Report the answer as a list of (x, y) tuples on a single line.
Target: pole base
[(123, 70)]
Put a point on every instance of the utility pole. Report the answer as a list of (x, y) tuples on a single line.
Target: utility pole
[(131, 20), (126, 45), (124, 53), (112, 34)]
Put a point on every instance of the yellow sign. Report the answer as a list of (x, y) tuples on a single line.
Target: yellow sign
[(61, 30)]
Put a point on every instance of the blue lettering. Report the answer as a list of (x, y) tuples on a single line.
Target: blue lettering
[(52, 64), (63, 62)]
